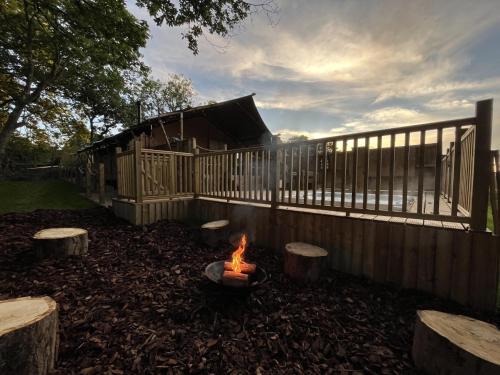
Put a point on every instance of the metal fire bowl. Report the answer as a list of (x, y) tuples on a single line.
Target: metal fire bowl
[(215, 270)]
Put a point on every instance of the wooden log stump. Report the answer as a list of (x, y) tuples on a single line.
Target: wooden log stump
[(60, 242), (455, 344), (304, 262), (214, 232), (28, 335)]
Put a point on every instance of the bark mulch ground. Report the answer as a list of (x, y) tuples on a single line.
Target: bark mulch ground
[(139, 303)]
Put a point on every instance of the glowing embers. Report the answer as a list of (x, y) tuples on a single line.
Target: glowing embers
[(237, 272)]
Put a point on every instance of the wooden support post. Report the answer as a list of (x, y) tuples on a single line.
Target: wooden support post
[(119, 173), (138, 171), (102, 184), (273, 183), (196, 161), (482, 148), (182, 126), (88, 177)]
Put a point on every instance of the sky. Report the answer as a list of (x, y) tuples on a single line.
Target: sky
[(323, 68)]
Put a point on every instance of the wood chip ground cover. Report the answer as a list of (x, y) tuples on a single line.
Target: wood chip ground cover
[(139, 303)]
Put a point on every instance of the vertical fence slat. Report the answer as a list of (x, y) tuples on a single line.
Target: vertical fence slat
[(334, 171), (421, 161), (344, 173), (456, 172), (392, 156), (379, 172), (323, 182), (354, 172), (367, 172), (306, 184), (406, 166), (299, 174), (315, 177), (437, 171)]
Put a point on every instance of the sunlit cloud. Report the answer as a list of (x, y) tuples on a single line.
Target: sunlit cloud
[(328, 67)]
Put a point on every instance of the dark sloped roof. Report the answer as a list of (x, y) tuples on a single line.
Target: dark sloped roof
[(238, 118)]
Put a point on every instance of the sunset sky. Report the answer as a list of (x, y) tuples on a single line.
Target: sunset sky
[(322, 68)]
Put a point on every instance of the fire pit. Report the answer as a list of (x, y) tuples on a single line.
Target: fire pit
[(236, 274), (215, 270)]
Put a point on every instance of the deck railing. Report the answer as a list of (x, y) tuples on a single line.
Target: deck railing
[(243, 174), (392, 172), (154, 174)]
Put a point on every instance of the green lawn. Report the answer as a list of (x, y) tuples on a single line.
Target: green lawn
[(26, 196)]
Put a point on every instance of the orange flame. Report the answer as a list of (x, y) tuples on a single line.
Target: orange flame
[(238, 254)]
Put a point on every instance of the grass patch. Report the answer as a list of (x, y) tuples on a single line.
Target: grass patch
[(26, 196)]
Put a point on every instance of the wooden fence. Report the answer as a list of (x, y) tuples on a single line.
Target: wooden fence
[(446, 261), (154, 174), (346, 173)]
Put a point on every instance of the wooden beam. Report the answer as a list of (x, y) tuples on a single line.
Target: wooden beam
[(482, 148)]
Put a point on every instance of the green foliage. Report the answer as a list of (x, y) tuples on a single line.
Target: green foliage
[(215, 16), (297, 138), (26, 196), (157, 97), (22, 151), (49, 45), (85, 53)]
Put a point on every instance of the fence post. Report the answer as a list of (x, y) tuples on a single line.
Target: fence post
[(273, 183), (482, 163), (196, 161), (88, 176), (102, 183), (138, 171)]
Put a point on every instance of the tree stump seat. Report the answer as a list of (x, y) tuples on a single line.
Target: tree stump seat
[(214, 232), (303, 261), (60, 242), (28, 335), (455, 344)]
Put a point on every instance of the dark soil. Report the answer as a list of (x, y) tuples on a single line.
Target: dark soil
[(139, 303)]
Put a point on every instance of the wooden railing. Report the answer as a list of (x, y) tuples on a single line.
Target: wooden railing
[(392, 172), (151, 174), (467, 144), (125, 166), (237, 174)]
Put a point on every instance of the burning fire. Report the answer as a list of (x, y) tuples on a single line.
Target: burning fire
[(238, 254)]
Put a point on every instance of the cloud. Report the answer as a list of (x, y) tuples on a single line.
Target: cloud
[(350, 65)]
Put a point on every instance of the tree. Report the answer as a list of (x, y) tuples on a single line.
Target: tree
[(212, 16), (157, 97), (48, 44), (297, 138)]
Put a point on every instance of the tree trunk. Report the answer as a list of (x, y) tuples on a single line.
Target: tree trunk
[(92, 130), (455, 344), (10, 126), (28, 335)]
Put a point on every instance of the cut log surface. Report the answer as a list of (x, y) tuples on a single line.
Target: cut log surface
[(303, 261), (455, 344), (214, 225), (215, 232), (60, 242), (28, 335)]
